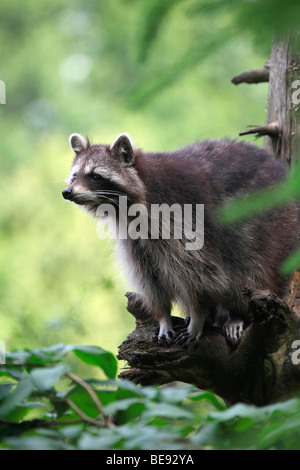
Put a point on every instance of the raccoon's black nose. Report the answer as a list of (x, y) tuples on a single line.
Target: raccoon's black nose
[(67, 193)]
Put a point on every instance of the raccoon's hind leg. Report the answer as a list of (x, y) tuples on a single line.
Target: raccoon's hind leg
[(233, 330), (193, 332), (232, 324)]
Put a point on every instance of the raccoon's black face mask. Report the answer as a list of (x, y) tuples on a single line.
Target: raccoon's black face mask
[(101, 173), (92, 189)]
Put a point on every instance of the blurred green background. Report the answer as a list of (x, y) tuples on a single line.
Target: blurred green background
[(99, 68)]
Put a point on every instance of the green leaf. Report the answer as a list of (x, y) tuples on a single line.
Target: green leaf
[(253, 412), (51, 354), (20, 393), (155, 13), (126, 410), (261, 201), (45, 378), (166, 410), (118, 405), (4, 390), (82, 399), (249, 427), (148, 87), (12, 372), (285, 430), (291, 263), (128, 389), (175, 394), (108, 440), (71, 432), (206, 395), (96, 356), (17, 357), (42, 356), (150, 437), (22, 410), (37, 443)]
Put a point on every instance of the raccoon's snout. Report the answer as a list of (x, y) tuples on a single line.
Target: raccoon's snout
[(67, 193)]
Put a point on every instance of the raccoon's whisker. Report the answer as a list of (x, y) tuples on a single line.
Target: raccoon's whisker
[(110, 199), (108, 192)]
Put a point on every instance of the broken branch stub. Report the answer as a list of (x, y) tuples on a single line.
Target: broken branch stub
[(252, 76), (273, 130)]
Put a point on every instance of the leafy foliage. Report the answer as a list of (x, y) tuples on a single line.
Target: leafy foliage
[(247, 20), (43, 405)]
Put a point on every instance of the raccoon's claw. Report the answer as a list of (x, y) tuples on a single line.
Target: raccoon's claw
[(233, 331), (193, 333), (184, 338), (164, 337)]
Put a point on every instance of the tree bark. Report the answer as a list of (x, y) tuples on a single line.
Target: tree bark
[(253, 76), (264, 367), (285, 70), (259, 371)]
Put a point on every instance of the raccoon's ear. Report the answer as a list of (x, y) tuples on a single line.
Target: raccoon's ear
[(78, 143), (122, 148)]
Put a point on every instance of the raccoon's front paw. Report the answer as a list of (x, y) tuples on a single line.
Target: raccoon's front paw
[(185, 338), (166, 334), (166, 337), (233, 331), (192, 334)]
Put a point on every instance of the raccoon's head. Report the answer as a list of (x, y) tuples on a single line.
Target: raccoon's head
[(102, 173)]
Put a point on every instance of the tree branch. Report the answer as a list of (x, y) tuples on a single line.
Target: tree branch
[(273, 130), (252, 76), (258, 371)]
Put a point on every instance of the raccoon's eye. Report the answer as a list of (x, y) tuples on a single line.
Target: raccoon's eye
[(95, 177)]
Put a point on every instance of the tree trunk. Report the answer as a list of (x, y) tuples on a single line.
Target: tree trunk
[(282, 108), (264, 367)]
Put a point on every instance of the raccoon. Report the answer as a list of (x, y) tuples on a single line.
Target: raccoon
[(207, 283)]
